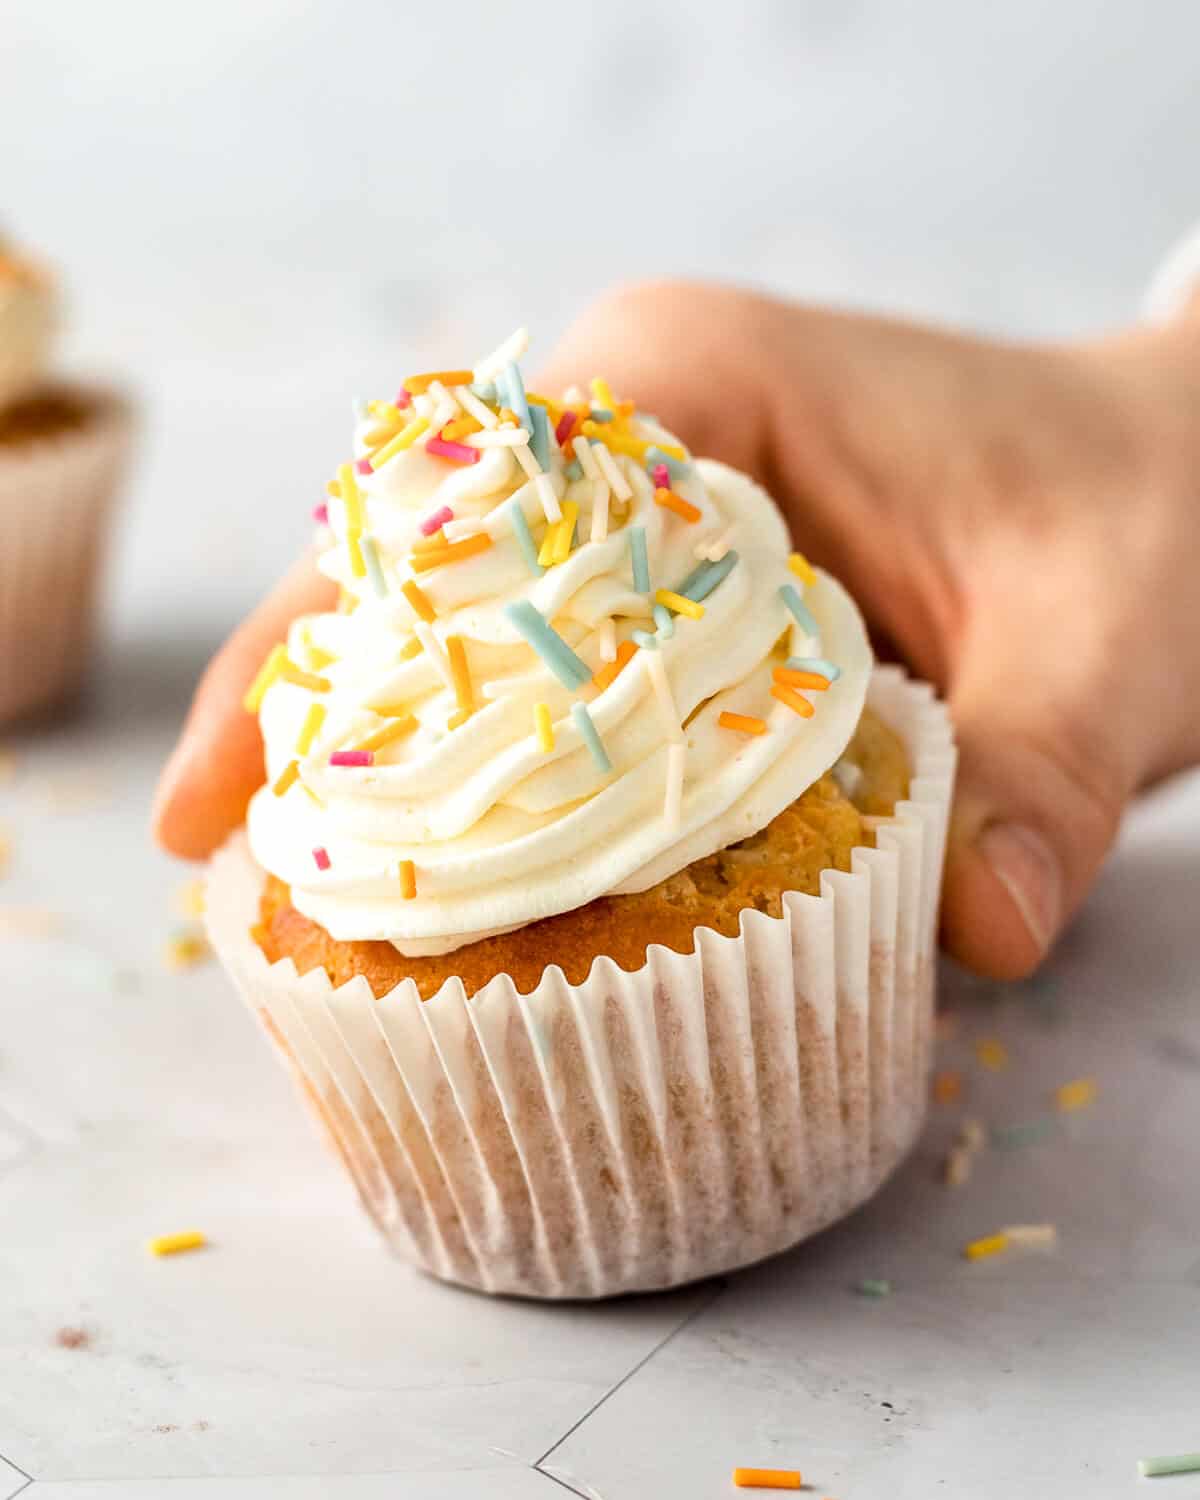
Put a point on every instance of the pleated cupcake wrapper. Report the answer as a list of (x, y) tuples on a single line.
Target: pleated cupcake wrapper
[(56, 497), (637, 1130)]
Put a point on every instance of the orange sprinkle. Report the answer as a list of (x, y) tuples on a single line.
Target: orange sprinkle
[(470, 546), (410, 649), (992, 1054), (460, 673), (767, 1479), (793, 700), (419, 600), (288, 778), (460, 428), (417, 385), (747, 723), (610, 671), (408, 879), (458, 718), (791, 677), (947, 1087), (404, 724), (432, 543), (671, 501), (290, 672)]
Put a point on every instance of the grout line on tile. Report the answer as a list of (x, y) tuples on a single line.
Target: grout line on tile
[(562, 1483), (720, 1287)]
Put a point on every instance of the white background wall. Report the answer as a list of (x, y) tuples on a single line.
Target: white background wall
[(262, 207)]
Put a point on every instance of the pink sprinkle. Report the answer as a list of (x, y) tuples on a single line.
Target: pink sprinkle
[(461, 453), (563, 431), (351, 758), (363, 466), (321, 515), (403, 400), (321, 858), (661, 476), (436, 521)]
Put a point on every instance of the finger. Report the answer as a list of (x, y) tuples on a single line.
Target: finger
[(218, 763)]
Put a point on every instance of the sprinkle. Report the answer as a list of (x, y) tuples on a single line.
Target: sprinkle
[(957, 1166), (539, 435), (545, 493), (700, 584), (990, 1244), (288, 778), (600, 414), (320, 859), (798, 609), (501, 437), (267, 674), (662, 692), (543, 727), (767, 1479), (512, 348), (812, 682), (570, 670), (434, 650), (185, 950), (1179, 1463), (972, 1135), (189, 898), (947, 1087), (587, 732), (419, 599), (874, 1286), (802, 568), (347, 603), (435, 521), (565, 425), (407, 875), (1025, 1133), (332, 489), (290, 672), (608, 468), (1032, 1236), (661, 476), (673, 796), (1076, 1095), (358, 563), (679, 604), (311, 727), (600, 499), (645, 638), (992, 1054), (458, 718), (641, 565), (669, 456), (556, 544), (403, 400), (669, 500), (470, 546), (370, 554), (321, 514), (403, 724), (608, 640), (422, 544), (460, 671), (602, 391), (525, 541), (509, 379), (574, 469), (714, 551), (608, 674), (471, 403), (405, 438), (793, 700), (485, 390), (363, 466), (172, 1244), (318, 657), (586, 456), (459, 453), (351, 758), (351, 497), (746, 723), (664, 621), (814, 664), (410, 649), (417, 385)]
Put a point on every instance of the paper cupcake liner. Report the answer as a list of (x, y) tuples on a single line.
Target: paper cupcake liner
[(637, 1130), (56, 496)]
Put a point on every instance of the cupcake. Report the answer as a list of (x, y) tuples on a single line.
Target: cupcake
[(591, 894), (62, 446)]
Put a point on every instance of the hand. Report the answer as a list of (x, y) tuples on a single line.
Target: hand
[(1018, 525)]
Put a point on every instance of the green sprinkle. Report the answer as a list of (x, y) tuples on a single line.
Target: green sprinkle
[(374, 572), (798, 609), (665, 621), (574, 469), (525, 541), (1028, 1133), (484, 389), (539, 435), (514, 391), (570, 669), (1181, 1463), (874, 1287), (816, 664), (645, 638), (587, 732), (700, 584), (641, 564), (601, 414)]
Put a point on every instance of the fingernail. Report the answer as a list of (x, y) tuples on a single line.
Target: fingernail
[(1026, 866)]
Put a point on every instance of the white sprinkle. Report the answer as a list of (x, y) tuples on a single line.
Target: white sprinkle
[(599, 510), (500, 437), (573, 395), (441, 395), (676, 757), (620, 485), (1033, 1236), (525, 457), (470, 402), (715, 549), (662, 692), (458, 529), (443, 412), (423, 405), (608, 640), (587, 462), (427, 636), (506, 353), (545, 492)]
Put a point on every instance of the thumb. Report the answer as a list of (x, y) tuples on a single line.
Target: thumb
[(1041, 789)]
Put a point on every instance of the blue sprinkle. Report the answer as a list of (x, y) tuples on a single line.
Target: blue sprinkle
[(641, 563), (570, 669), (816, 664), (676, 469), (574, 469), (587, 731), (645, 639), (525, 541), (601, 414), (374, 571), (484, 389), (539, 435), (700, 584), (514, 390), (665, 621), (798, 609)]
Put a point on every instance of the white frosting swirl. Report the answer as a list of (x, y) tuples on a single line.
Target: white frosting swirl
[(500, 832)]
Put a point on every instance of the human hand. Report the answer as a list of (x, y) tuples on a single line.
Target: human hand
[(1017, 524)]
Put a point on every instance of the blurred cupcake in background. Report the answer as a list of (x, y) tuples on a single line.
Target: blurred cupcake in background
[(62, 449)]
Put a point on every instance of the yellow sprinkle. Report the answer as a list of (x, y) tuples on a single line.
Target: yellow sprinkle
[(172, 1244), (189, 899), (318, 657), (410, 649), (313, 721), (564, 531), (288, 778), (375, 437), (403, 724), (185, 950), (1075, 1095), (543, 727), (311, 795), (351, 497), (460, 672), (679, 604), (549, 545), (432, 543), (603, 393), (267, 674), (802, 568), (290, 672), (458, 718), (990, 1244), (992, 1054), (405, 438), (618, 442), (384, 410), (419, 599), (347, 602), (332, 488), (358, 565)]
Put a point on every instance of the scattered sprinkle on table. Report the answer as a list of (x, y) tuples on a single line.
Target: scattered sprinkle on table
[(1032, 1236), (874, 1286), (1180, 1463), (992, 1054), (767, 1479), (1024, 1133), (988, 1245), (1077, 1094), (185, 950), (189, 899), (174, 1244), (956, 1169), (947, 1086)]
